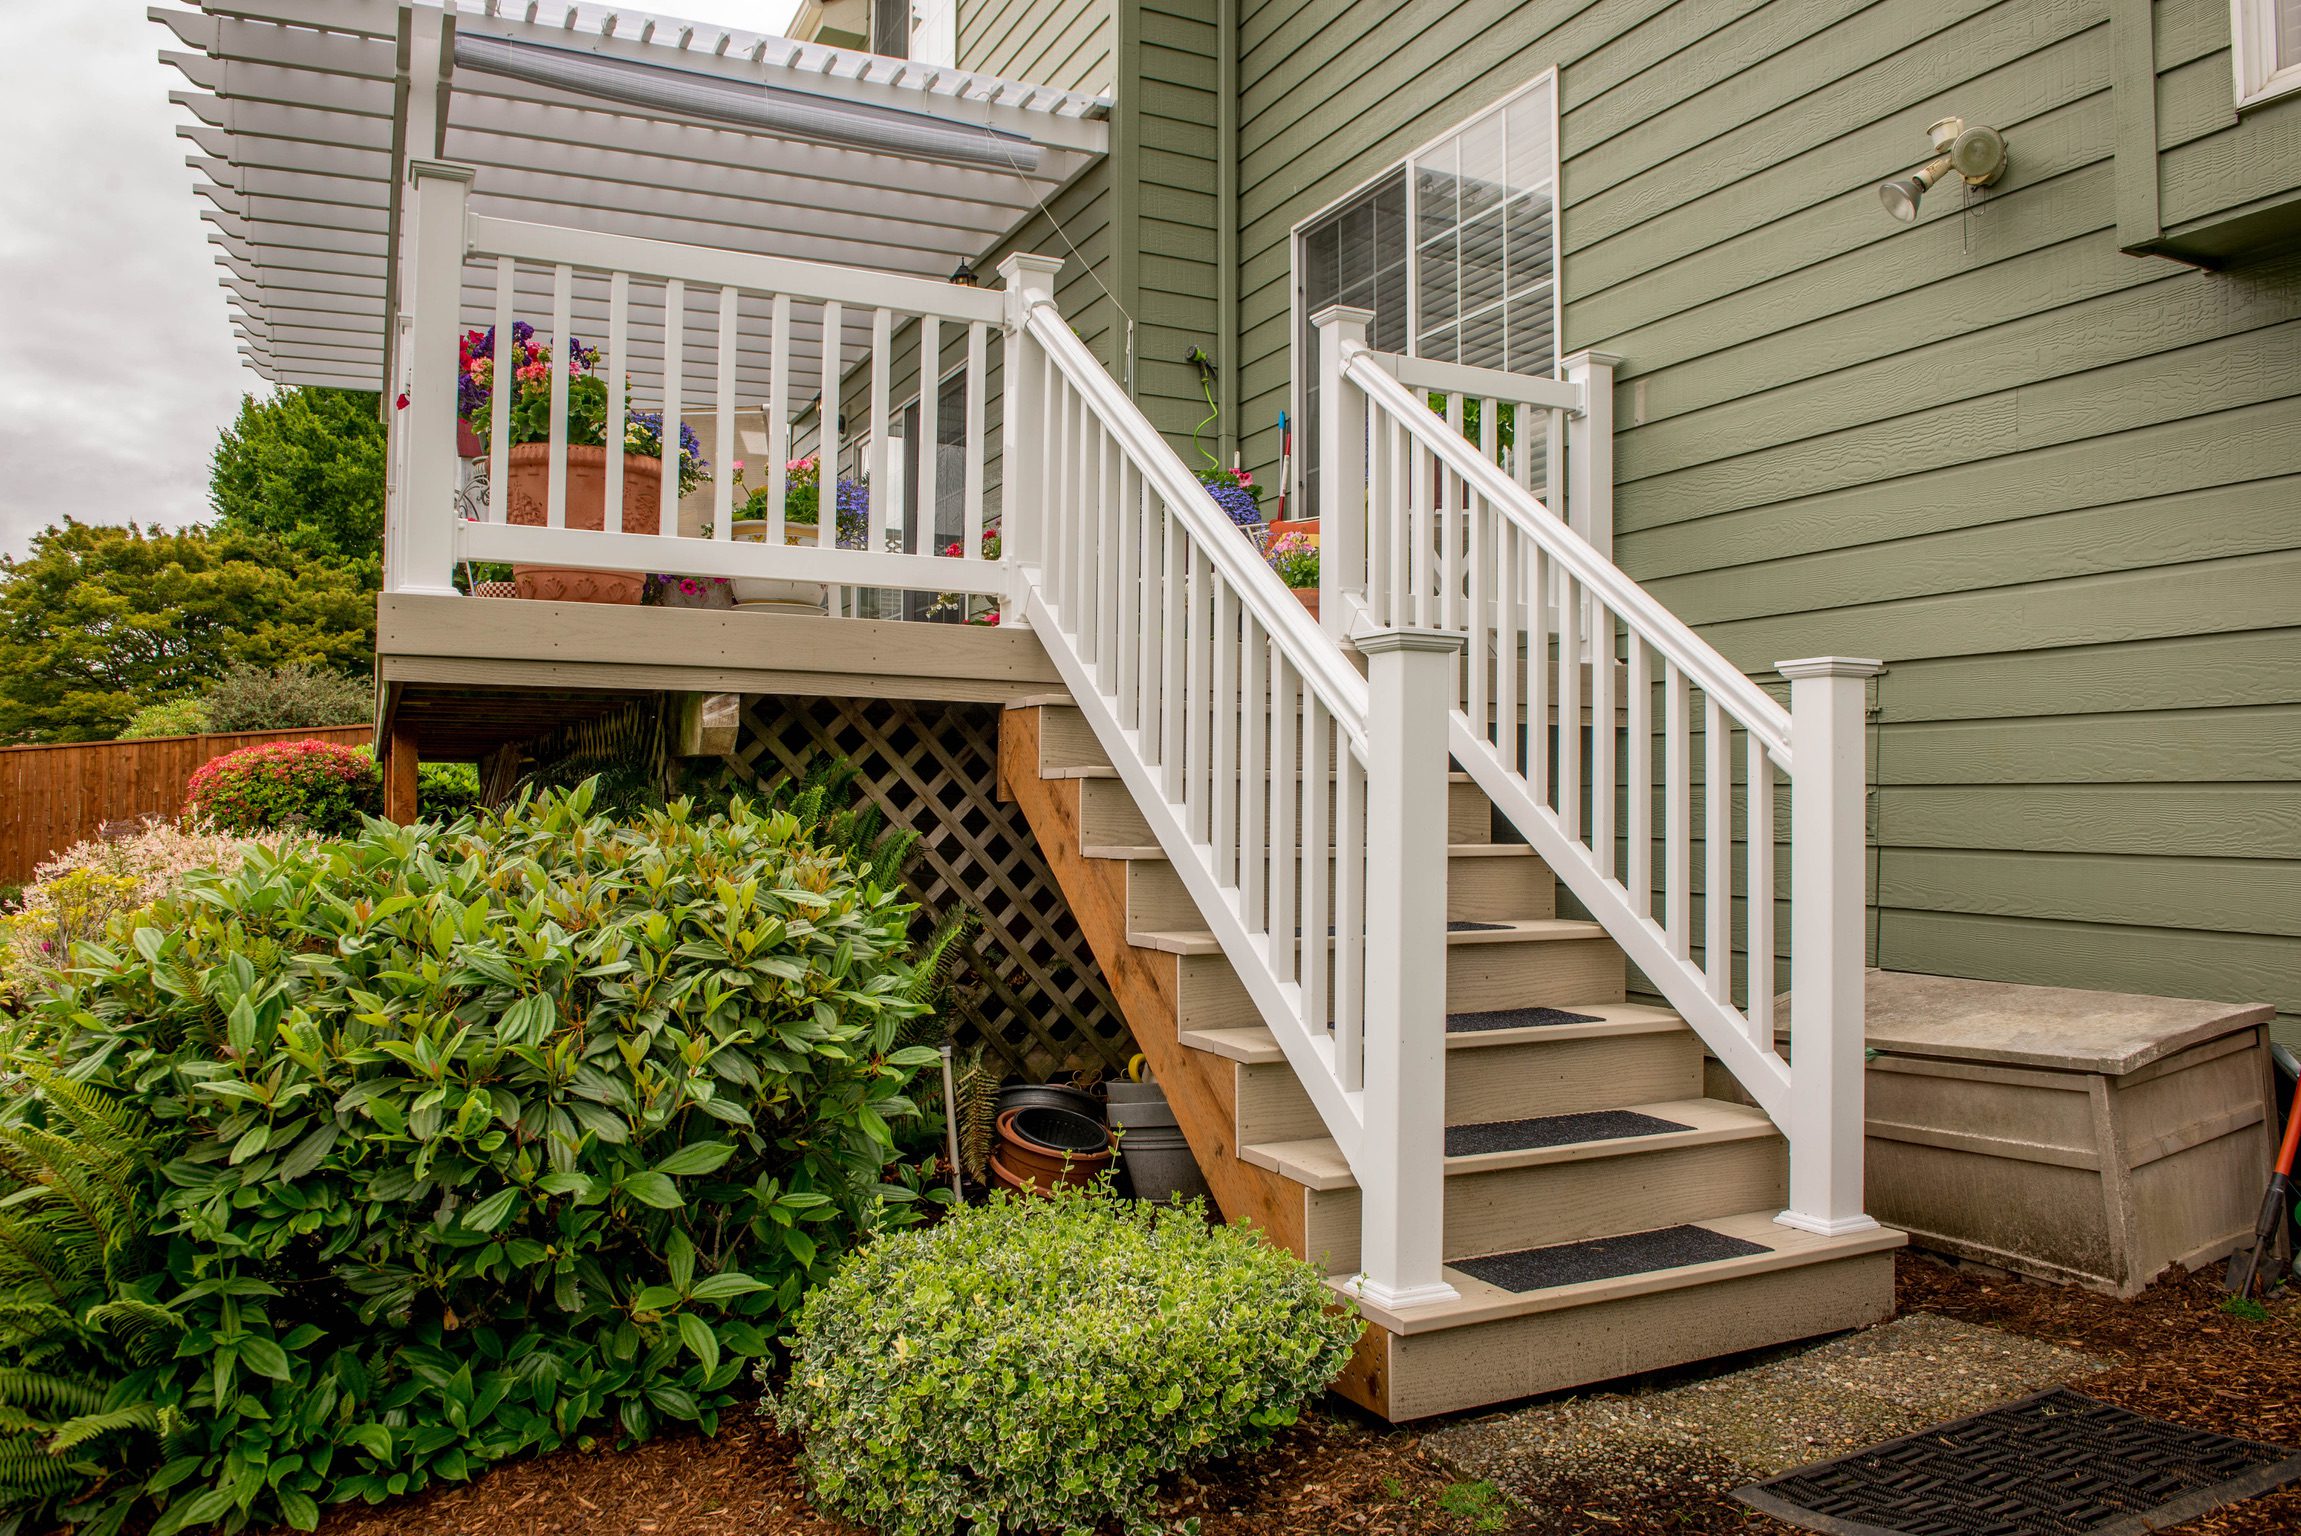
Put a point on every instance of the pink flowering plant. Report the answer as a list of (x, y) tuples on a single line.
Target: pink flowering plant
[(1294, 556), (979, 611), (803, 500), (315, 785), (530, 363)]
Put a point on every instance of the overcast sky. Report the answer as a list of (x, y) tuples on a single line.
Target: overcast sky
[(117, 365)]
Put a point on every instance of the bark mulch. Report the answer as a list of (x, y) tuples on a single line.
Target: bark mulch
[(2173, 1352)]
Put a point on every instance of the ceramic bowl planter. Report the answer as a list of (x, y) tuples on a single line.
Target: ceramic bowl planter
[(773, 594), (528, 504), (1043, 1146)]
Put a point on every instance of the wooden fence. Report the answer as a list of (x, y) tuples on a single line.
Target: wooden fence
[(53, 797)]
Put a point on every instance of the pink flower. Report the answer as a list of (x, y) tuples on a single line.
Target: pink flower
[(739, 466)]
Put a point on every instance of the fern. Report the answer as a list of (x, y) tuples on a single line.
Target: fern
[(977, 1090), (77, 1432)]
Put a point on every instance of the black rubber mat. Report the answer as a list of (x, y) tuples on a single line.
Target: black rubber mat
[(1605, 1258), (2057, 1464), (1513, 1018), (1554, 1131)]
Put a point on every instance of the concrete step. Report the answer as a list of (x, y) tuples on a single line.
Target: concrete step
[(1490, 1345)]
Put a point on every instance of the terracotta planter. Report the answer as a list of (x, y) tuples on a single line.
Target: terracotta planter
[(1308, 597), (528, 502), (773, 594), (1029, 1160)]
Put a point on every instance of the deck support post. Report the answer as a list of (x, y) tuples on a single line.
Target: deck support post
[(420, 544), (399, 774), (1828, 835), (1023, 429), (1401, 1170), (1341, 509)]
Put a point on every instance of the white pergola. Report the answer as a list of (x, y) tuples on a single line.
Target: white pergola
[(616, 121)]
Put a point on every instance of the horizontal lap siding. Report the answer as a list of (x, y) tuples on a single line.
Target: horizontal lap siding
[(1063, 43), (2056, 487)]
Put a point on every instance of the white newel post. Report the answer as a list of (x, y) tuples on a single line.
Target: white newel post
[(1828, 834), (1410, 679), (1590, 450), (1023, 425), (1341, 508), (425, 533)]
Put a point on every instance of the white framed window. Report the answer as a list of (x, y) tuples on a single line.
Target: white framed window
[(2265, 42), (1454, 249)]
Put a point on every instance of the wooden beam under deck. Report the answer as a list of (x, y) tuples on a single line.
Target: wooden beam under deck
[(466, 675)]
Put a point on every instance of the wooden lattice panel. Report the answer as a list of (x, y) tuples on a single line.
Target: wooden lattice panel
[(1028, 987)]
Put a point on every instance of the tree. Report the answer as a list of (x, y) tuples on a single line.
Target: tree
[(98, 621), (305, 467)]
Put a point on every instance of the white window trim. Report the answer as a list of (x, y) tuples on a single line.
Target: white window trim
[(1295, 316), (2253, 50)]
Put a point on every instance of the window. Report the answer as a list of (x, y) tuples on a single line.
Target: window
[(1452, 250), (2265, 37)]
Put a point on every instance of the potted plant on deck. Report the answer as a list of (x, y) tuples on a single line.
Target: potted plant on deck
[(527, 488), (1294, 556), (802, 522)]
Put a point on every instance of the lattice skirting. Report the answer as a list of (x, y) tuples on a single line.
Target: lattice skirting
[(1028, 987)]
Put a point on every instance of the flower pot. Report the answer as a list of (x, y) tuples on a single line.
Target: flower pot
[(468, 444), (770, 594), (1075, 1150), (1152, 1149), (1027, 1095), (528, 503), (1308, 597)]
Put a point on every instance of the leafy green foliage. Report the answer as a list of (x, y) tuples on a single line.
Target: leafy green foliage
[(484, 1138), (320, 786), (97, 621), (176, 717), (287, 698), (305, 467), (444, 791), (1036, 1364)]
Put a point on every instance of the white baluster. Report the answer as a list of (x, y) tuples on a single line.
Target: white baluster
[(1349, 916), (1285, 830), (1758, 888), (1641, 798), (674, 381), (929, 447), (827, 434), (723, 475), (978, 381), (882, 477), (778, 418), (500, 389), (1677, 813), (562, 299), (618, 407), (1225, 708), (1254, 773), (1717, 850)]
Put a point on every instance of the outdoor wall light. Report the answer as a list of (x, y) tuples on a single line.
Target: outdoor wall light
[(1976, 154)]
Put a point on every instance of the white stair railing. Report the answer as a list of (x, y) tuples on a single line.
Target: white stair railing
[(1450, 536), (1302, 805)]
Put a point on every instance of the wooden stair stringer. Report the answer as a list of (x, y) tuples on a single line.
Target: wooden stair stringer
[(1146, 984)]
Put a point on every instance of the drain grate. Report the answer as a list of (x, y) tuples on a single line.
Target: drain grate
[(1513, 1018), (1554, 1131), (2058, 1464), (1605, 1258)]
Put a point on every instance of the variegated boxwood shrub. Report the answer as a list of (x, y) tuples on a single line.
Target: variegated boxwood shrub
[(317, 785), (1037, 1364), (474, 1141)]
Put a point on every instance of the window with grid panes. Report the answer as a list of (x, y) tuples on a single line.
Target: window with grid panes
[(1453, 251)]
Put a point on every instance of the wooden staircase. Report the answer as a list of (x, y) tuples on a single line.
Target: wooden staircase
[(1526, 1169)]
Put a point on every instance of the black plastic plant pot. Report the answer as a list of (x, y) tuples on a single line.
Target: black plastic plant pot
[(1061, 1130)]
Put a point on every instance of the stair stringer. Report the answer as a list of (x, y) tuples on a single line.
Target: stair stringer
[(1146, 985), (1761, 1072)]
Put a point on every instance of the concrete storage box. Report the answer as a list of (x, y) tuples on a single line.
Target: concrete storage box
[(2093, 1137)]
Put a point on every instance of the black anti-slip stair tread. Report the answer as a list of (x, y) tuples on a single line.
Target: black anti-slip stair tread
[(1555, 1131), (1513, 1018), (1605, 1258)]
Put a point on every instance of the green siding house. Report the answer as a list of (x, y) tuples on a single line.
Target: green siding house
[(2040, 450)]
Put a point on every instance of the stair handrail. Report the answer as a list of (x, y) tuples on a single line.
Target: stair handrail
[(1444, 532), (1301, 805), (1662, 630)]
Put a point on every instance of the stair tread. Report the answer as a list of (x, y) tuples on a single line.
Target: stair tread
[(1477, 1301), (1255, 1044), (1200, 941), (1317, 1162), (1106, 771), (1133, 851)]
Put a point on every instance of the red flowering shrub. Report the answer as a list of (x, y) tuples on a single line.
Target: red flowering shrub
[(315, 785)]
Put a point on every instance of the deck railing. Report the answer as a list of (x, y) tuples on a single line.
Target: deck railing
[(1554, 634), (700, 335)]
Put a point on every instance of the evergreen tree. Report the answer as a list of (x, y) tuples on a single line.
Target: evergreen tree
[(305, 467)]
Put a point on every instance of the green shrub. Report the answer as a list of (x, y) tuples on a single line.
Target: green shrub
[(1036, 1364), (444, 791), (289, 698), (315, 785), (483, 1139), (177, 717)]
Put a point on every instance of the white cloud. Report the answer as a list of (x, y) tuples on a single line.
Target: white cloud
[(117, 362)]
